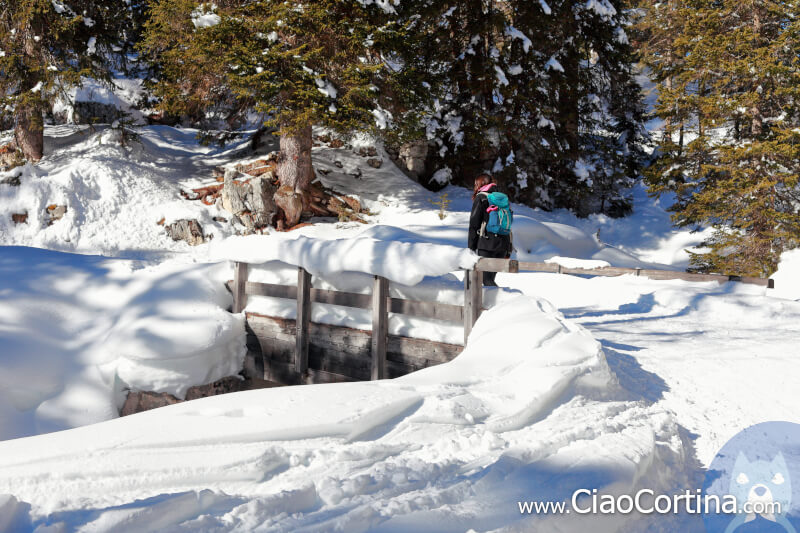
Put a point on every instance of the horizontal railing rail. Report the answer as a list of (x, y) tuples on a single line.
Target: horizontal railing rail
[(513, 266)]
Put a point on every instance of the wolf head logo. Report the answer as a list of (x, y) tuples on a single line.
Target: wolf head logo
[(761, 485)]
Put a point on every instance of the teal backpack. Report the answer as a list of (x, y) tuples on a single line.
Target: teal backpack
[(500, 215)]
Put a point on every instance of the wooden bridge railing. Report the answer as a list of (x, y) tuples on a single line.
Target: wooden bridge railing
[(379, 302), (382, 304)]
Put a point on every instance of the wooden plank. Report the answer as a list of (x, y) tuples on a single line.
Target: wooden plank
[(343, 364), (285, 374), (346, 299), (488, 264), (603, 271), (538, 267), (380, 326), (473, 296), (239, 281), (649, 273), (438, 352), (303, 320), (337, 353), (437, 311), (271, 290)]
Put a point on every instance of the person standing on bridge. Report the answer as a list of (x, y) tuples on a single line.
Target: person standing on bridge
[(490, 223)]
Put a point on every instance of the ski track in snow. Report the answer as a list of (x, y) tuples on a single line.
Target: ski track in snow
[(447, 449)]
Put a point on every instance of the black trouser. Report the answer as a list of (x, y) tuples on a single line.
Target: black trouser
[(488, 277)]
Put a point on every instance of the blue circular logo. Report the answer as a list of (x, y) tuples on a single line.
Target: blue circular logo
[(753, 484)]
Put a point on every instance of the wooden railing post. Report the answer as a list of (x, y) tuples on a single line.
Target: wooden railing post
[(239, 285), (473, 299), (303, 320), (380, 326)]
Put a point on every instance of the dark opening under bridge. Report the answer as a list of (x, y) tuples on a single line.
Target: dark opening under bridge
[(293, 352)]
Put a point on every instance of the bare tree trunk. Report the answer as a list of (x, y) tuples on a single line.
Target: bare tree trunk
[(757, 125), (668, 121), (295, 173), (29, 130)]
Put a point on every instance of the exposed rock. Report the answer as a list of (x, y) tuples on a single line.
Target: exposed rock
[(221, 220), (413, 155), (19, 218), (355, 173), (137, 402), (367, 151), (186, 230), (338, 164), (261, 201), (223, 386), (56, 213), (234, 193), (337, 143), (10, 157), (324, 138), (250, 201), (375, 163)]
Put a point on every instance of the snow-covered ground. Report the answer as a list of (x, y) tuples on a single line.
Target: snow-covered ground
[(608, 383)]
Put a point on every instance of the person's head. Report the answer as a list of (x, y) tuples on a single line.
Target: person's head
[(480, 182)]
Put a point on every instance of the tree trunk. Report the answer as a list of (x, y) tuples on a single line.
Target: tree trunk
[(757, 124), (295, 173), (29, 130)]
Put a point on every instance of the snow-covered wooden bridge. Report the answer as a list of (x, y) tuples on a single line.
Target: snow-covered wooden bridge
[(298, 351)]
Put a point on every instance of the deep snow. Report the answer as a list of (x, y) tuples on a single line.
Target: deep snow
[(77, 331), (531, 410), (448, 448)]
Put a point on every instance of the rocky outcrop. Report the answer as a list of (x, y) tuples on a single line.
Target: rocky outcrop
[(187, 230), (250, 200), (19, 218), (367, 151), (139, 401), (414, 155)]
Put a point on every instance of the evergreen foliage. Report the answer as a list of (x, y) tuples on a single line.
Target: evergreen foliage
[(729, 86), (48, 46), (540, 93), (296, 64)]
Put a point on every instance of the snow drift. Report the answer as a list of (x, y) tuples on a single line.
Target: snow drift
[(449, 448), (76, 331)]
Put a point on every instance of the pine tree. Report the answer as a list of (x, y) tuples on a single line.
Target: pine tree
[(48, 46), (540, 93), (733, 98), (295, 63)]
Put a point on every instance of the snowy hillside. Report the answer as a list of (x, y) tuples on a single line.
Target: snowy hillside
[(565, 383)]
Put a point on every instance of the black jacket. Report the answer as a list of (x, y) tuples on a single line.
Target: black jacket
[(492, 244)]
